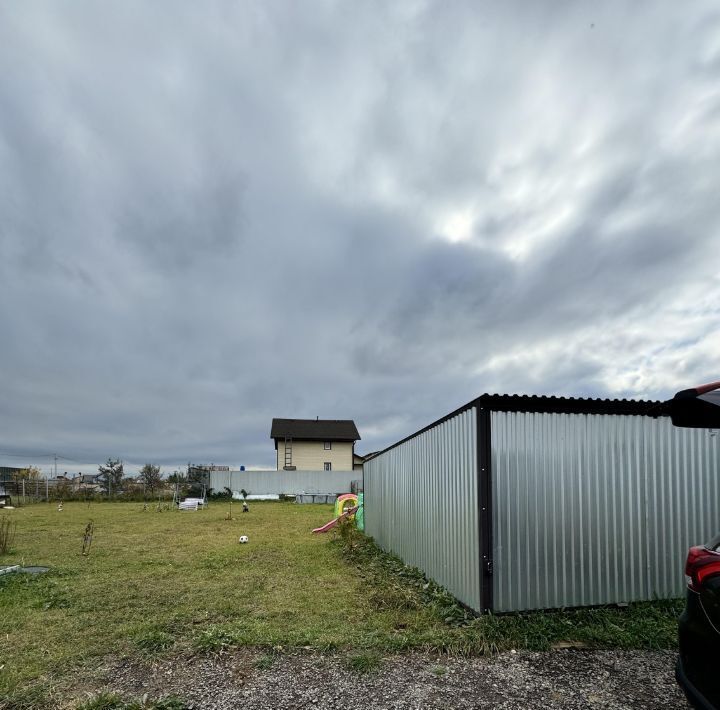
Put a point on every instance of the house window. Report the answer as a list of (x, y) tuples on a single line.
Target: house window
[(328, 466), (328, 445)]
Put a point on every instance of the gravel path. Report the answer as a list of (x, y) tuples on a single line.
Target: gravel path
[(557, 679)]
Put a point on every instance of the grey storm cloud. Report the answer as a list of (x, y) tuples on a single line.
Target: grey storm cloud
[(215, 214)]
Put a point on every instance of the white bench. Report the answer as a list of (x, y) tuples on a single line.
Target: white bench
[(191, 504)]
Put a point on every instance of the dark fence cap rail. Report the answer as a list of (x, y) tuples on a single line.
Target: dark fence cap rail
[(567, 405)]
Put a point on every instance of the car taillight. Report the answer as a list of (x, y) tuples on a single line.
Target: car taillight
[(701, 564)]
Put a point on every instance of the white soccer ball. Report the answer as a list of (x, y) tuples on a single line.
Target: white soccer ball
[(244, 539)]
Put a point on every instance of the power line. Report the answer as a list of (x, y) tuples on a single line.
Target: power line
[(53, 456), (48, 456), (65, 458)]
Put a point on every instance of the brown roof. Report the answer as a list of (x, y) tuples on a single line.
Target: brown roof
[(315, 429)]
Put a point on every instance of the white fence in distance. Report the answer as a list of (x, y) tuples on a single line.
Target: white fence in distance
[(284, 482)]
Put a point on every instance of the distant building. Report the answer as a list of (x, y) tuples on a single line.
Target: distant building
[(90, 482), (10, 473), (314, 444)]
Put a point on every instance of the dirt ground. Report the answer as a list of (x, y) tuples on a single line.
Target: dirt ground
[(568, 678)]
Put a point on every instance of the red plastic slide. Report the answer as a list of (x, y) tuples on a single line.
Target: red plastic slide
[(333, 523)]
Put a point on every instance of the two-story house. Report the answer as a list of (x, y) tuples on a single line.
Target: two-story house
[(314, 444)]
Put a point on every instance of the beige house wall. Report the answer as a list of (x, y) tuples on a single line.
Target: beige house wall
[(312, 455)]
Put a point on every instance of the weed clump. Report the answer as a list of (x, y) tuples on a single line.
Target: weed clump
[(112, 701), (8, 529), (363, 662), (216, 638), (153, 641)]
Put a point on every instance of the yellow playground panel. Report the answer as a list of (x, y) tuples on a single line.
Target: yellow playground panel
[(344, 503)]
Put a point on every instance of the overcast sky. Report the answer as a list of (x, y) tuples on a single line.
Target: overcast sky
[(217, 213)]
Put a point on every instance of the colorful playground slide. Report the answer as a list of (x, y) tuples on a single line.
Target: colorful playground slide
[(347, 514)]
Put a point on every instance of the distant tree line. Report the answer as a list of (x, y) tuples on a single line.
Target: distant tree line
[(110, 482), (31, 473)]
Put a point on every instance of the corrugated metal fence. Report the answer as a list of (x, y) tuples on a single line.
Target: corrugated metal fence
[(597, 509), (421, 504), (586, 508), (284, 482)]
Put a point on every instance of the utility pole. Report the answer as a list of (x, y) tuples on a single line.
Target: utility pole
[(55, 465)]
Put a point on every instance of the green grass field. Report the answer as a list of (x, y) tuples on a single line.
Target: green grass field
[(171, 582)]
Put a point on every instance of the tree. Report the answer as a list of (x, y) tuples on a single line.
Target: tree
[(31, 472), (112, 474), (198, 480), (150, 477), (131, 485), (177, 477), (179, 483)]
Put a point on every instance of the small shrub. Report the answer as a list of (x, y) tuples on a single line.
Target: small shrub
[(215, 638), (104, 701), (7, 534), (265, 662), (363, 662), (153, 641), (350, 536), (169, 703), (112, 701), (225, 494), (63, 491), (395, 596)]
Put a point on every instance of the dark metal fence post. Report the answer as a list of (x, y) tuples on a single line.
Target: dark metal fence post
[(484, 483)]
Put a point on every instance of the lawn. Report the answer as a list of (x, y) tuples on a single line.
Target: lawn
[(172, 582)]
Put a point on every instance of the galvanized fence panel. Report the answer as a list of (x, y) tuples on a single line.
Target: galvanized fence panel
[(421, 503), (284, 482), (596, 509), (30, 489)]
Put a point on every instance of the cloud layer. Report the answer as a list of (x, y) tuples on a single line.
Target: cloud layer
[(215, 214)]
